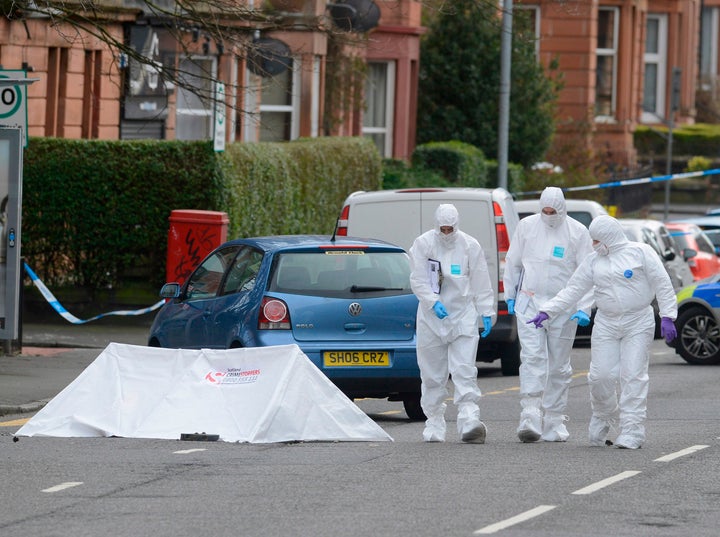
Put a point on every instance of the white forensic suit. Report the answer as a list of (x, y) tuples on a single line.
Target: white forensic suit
[(448, 346), (544, 252), (626, 277)]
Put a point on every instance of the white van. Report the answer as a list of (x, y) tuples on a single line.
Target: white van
[(489, 215), (581, 210)]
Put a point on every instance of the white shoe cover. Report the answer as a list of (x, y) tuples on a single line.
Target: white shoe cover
[(530, 428), (434, 429), (627, 442), (598, 431), (474, 432), (554, 429), (433, 436)]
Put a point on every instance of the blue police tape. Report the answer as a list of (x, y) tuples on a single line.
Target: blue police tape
[(69, 316), (626, 182)]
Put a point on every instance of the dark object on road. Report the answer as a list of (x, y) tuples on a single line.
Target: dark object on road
[(200, 437)]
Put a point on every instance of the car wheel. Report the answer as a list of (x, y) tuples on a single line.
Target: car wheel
[(413, 408), (154, 343), (510, 359), (698, 339)]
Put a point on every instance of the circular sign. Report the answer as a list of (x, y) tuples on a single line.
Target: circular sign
[(10, 100)]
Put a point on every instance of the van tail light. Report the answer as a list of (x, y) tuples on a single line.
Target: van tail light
[(503, 243), (274, 315), (342, 222)]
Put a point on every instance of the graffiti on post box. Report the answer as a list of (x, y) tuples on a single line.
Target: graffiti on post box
[(199, 241)]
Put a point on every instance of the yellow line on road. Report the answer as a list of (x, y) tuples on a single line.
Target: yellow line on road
[(14, 423), (579, 374)]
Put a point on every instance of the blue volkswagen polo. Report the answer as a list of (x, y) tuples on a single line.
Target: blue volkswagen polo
[(345, 302)]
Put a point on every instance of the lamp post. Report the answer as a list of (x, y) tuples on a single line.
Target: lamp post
[(674, 103), (504, 106)]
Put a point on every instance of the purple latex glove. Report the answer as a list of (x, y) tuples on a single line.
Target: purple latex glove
[(539, 319), (667, 329)]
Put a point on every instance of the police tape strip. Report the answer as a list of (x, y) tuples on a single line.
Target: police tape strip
[(627, 182), (69, 316)]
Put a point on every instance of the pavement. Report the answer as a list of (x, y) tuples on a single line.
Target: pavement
[(53, 353)]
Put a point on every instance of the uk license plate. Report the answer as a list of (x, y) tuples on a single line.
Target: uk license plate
[(356, 358)]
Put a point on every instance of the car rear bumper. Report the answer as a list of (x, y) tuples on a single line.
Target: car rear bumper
[(389, 387)]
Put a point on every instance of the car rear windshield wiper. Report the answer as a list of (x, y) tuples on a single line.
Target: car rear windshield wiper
[(370, 288)]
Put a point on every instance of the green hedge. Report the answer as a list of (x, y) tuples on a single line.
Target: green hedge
[(441, 164), (699, 139), (96, 212), (460, 163), (296, 187)]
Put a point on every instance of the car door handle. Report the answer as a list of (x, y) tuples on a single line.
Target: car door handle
[(355, 327), (207, 313)]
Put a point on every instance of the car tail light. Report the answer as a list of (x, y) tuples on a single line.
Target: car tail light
[(342, 222), (503, 243), (273, 315)]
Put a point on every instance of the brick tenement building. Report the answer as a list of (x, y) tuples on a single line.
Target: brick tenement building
[(617, 58), (85, 89)]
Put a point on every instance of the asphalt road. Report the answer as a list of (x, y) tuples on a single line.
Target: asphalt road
[(116, 486)]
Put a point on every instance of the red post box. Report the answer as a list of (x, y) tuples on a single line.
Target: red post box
[(193, 234)]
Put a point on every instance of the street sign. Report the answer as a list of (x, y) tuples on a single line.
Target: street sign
[(219, 130), (13, 101)]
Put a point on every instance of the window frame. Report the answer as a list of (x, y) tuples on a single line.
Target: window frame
[(659, 59), (207, 112), (535, 8), (708, 47), (387, 130), (254, 107), (611, 53)]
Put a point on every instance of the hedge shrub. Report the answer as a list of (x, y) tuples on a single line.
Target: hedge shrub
[(96, 212), (460, 163), (699, 139)]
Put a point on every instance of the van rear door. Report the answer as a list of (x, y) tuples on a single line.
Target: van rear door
[(394, 217), (476, 218)]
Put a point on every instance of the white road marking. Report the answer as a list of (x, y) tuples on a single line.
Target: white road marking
[(186, 451), (63, 486), (517, 519), (687, 451), (606, 482)]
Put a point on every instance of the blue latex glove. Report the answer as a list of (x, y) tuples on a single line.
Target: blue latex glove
[(667, 329), (440, 310), (511, 306), (539, 319), (487, 325), (581, 317)]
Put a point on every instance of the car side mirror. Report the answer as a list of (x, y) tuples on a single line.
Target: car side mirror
[(170, 290), (669, 255), (689, 253)]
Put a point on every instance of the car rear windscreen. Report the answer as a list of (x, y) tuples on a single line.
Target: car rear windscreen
[(342, 273)]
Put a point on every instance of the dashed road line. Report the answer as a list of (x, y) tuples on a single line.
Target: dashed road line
[(186, 451), (687, 451), (517, 519), (63, 486), (606, 482)]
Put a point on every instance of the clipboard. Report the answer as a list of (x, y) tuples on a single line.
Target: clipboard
[(435, 277)]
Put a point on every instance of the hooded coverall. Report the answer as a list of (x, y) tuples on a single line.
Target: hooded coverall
[(449, 345), (625, 276), (544, 252)]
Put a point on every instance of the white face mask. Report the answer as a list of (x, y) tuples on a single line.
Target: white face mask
[(551, 220), (601, 248), (449, 239)]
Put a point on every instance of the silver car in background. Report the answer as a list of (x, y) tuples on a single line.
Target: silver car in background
[(655, 234)]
